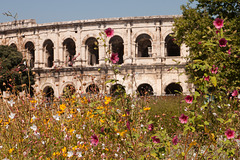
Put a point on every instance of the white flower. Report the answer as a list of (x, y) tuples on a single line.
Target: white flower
[(69, 116), (43, 142), (81, 142), (142, 125), (37, 134), (78, 136), (215, 114), (133, 106), (84, 126), (34, 127), (228, 105), (56, 117), (1, 147), (116, 154), (7, 126), (185, 109), (118, 111), (11, 102), (92, 150), (12, 115), (161, 127), (5, 159), (219, 106), (26, 136), (79, 154), (69, 154), (33, 118), (79, 110)]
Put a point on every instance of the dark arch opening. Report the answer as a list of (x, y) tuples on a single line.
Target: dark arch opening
[(172, 48), (117, 89), (93, 53), (48, 93), (49, 51), (29, 46), (173, 88), (92, 88), (144, 45), (13, 45), (117, 46), (69, 90), (145, 90), (70, 50)]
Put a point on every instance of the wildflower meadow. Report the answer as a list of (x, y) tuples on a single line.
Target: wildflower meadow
[(201, 125)]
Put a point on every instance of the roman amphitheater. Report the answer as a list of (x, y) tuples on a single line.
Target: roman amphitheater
[(71, 55)]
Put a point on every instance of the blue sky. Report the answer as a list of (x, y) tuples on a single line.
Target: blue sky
[(45, 11)]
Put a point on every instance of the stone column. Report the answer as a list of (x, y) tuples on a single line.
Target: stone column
[(56, 51), (158, 45), (102, 53), (37, 54), (128, 56), (78, 47), (83, 55)]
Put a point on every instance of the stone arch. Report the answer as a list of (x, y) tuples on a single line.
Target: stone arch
[(30, 55), (171, 48), (48, 92), (69, 50), (13, 45), (117, 46), (92, 88), (92, 51), (87, 37), (145, 89), (117, 89), (68, 90), (144, 45), (48, 49), (173, 88)]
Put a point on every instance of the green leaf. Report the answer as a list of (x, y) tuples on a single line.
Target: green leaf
[(214, 81)]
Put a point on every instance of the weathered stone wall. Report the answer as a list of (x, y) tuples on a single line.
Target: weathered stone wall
[(50, 46)]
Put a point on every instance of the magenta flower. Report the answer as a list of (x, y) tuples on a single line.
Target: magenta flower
[(234, 93), (128, 125), (199, 42), (175, 140), (94, 140), (109, 32), (183, 118), (214, 70), (222, 42), (150, 127), (229, 51), (218, 23), (206, 78), (189, 99), (217, 31), (114, 58), (230, 134), (155, 140)]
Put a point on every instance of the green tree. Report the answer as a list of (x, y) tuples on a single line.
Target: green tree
[(14, 74), (195, 29)]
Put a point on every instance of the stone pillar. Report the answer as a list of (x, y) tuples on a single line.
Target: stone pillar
[(56, 51), (102, 53), (83, 55), (78, 47), (61, 56), (158, 45), (37, 54), (128, 55)]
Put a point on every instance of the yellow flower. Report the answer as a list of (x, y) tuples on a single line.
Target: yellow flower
[(124, 115), (146, 108), (64, 149), (33, 101), (108, 99), (62, 107), (101, 120), (71, 131), (11, 150)]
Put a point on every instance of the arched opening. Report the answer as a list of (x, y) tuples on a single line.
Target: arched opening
[(92, 51), (116, 44), (144, 45), (117, 89), (30, 56), (145, 90), (49, 52), (13, 45), (69, 49), (48, 93), (69, 90), (172, 48), (92, 88), (173, 88)]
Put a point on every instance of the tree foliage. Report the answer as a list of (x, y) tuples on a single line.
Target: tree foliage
[(15, 75)]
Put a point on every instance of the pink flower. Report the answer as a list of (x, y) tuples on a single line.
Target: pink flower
[(150, 127), (217, 31), (218, 23), (229, 51), (189, 99), (214, 70), (206, 78), (114, 58), (199, 42), (234, 93), (128, 125), (94, 140), (183, 118), (175, 140), (222, 42), (109, 32), (155, 140), (230, 134)]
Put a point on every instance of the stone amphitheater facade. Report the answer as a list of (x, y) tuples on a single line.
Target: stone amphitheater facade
[(70, 55)]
